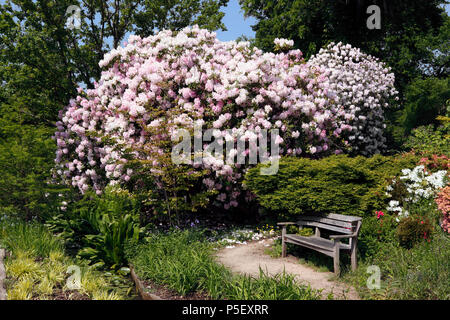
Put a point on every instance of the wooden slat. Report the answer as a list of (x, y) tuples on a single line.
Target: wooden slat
[(315, 243), (324, 226), (333, 222), (342, 217), (307, 245)]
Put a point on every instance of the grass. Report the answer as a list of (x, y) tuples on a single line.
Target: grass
[(181, 261), (422, 272), (38, 267)]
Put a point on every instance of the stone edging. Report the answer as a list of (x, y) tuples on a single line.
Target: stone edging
[(141, 288), (2, 275)]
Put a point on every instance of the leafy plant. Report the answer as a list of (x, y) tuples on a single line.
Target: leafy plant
[(411, 230), (114, 221), (99, 226), (37, 267)]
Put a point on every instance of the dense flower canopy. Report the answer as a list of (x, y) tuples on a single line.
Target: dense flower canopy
[(176, 80), (363, 87)]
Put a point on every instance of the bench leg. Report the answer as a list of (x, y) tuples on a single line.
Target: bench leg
[(336, 257), (353, 254), (283, 243)]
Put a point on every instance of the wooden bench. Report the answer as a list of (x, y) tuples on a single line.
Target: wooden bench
[(347, 226)]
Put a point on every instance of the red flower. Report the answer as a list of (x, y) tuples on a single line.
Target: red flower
[(379, 214)]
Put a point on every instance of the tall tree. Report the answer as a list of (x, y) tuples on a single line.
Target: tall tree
[(43, 59), (314, 23)]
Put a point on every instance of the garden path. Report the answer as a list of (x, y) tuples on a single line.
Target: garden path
[(247, 258)]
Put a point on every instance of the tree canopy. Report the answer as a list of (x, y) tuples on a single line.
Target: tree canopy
[(42, 61)]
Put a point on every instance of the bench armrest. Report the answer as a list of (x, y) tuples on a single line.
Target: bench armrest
[(285, 223)]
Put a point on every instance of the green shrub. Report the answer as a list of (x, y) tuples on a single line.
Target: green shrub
[(411, 230), (336, 184), (430, 140), (375, 233), (425, 100), (26, 160)]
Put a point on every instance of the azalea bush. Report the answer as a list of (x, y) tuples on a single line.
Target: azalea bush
[(443, 203), (417, 190), (155, 86)]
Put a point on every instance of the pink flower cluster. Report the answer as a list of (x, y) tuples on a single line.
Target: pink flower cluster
[(198, 80), (443, 203), (363, 87)]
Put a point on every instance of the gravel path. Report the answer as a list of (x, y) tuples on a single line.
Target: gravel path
[(247, 259)]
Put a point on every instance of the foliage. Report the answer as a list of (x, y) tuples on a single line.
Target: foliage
[(43, 60), (281, 286), (38, 266), (339, 184), (100, 226), (425, 100), (375, 233), (407, 39), (180, 261), (411, 230), (443, 203), (414, 45), (414, 190), (430, 139), (168, 190), (410, 274), (146, 88), (25, 170), (435, 162), (34, 238), (183, 262)]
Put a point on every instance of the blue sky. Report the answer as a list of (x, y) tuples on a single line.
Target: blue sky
[(235, 22)]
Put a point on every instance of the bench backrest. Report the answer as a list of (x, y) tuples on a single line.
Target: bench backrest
[(334, 222)]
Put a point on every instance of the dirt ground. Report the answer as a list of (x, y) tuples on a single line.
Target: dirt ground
[(247, 259)]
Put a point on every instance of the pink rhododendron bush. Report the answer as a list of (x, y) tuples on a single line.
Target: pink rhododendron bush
[(152, 87)]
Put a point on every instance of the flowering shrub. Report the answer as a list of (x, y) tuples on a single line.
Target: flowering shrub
[(414, 229), (415, 185), (435, 162), (154, 86), (443, 202), (363, 86)]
